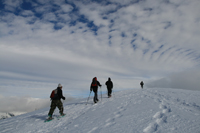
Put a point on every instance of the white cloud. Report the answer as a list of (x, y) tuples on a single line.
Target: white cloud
[(23, 104), (43, 9), (183, 80), (27, 13), (49, 17), (66, 8), (93, 13), (13, 3)]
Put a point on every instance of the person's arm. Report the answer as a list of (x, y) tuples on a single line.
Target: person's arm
[(60, 94), (98, 83), (111, 84)]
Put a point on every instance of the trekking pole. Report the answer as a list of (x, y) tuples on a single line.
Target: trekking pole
[(101, 94), (88, 97)]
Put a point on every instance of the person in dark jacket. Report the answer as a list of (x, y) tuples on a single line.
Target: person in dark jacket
[(94, 88), (56, 102), (142, 84), (109, 85)]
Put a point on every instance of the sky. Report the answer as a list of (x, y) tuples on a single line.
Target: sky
[(46, 42)]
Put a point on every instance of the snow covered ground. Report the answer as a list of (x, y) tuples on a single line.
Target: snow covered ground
[(130, 111)]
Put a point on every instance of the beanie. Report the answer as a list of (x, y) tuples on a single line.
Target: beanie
[(59, 85)]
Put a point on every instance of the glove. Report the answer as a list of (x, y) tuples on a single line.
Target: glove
[(63, 98)]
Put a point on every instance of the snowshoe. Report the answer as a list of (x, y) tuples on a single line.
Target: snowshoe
[(49, 119), (61, 115)]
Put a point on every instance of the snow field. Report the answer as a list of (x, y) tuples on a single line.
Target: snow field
[(131, 111)]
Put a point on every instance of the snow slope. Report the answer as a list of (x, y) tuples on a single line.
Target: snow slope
[(131, 111)]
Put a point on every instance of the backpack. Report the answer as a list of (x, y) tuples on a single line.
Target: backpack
[(94, 82), (54, 94)]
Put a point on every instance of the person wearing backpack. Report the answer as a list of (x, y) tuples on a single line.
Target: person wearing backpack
[(56, 101), (94, 88), (109, 85)]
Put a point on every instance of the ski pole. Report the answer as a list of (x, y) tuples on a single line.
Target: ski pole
[(101, 94), (113, 94), (88, 97)]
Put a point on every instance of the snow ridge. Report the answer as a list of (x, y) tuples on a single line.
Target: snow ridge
[(131, 111)]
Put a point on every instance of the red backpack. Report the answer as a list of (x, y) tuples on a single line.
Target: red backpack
[(54, 94), (94, 81)]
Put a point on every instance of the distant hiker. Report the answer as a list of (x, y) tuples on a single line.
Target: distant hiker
[(94, 88), (141, 83), (109, 85), (56, 101)]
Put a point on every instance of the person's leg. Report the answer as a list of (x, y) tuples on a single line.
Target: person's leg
[(60, 107), (53, 106), (95, 97), (109, 92)]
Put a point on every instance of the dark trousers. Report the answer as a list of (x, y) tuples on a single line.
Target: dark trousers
[(109, 91), (96, 96), (54, 104)]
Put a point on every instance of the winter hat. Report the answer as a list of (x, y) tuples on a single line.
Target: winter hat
[(59, 85)]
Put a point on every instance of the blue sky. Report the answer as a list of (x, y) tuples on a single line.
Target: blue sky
[(46, 42)]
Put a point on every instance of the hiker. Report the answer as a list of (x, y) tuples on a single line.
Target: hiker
[(94, 88), (109, 85), (56, 102), (141, 83)]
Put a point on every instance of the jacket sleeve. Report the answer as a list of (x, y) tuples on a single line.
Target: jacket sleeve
[(111, 84), (60, 94), (98, 83)]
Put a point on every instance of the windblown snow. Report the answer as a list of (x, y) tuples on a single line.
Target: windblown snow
[(130, 111)]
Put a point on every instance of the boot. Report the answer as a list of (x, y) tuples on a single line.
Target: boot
[(50, 117), (62, 114)]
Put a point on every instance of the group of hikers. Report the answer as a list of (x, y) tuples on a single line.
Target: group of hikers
[(94, 87), (56, 102)]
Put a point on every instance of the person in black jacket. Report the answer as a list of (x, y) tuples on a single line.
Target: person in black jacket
[(56, 102), (94, 88), (109, 85), (142, 84)]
